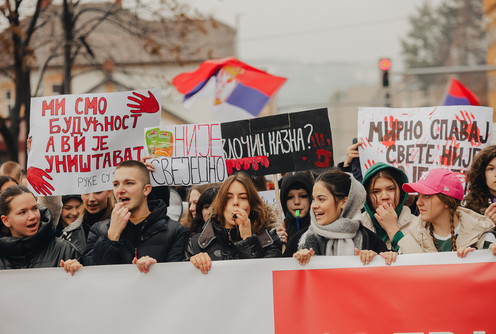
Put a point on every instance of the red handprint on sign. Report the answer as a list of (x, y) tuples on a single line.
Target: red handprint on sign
[(390, 135), (369, 164), (469, 131), (143, 104), (323, 155), (35, 178)]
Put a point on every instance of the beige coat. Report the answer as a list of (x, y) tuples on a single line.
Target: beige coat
[(472, 233), (404, 222)]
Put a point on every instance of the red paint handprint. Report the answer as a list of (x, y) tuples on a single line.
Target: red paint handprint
[(369, 163), (390, 135), (323, 155), (144, 104), (35, 178), (449, 155), (467, 119)]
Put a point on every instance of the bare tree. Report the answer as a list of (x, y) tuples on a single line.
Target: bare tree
[(452, 33), (18, 47)]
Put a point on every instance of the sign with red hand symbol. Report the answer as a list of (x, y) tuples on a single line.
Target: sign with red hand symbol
[(418, 139), (79, 139), (280, 143)]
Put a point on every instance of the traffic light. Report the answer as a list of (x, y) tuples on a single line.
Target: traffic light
[(385, 65)]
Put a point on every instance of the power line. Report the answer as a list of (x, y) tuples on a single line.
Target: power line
[(311, 31)]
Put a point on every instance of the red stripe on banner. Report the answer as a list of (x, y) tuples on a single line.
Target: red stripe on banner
[(456, 298)]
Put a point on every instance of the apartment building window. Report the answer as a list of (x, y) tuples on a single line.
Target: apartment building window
[(8, 104), (56, 89)]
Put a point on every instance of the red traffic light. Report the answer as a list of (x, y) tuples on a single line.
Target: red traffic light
[(385, 64)]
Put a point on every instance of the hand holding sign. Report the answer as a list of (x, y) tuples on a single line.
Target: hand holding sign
[(35, 178), (144, 104)]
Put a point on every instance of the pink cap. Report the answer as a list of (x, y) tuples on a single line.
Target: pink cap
[(437, 181)]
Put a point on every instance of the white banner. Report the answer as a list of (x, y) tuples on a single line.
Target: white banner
[(186, 154), (419, 139), (252, 296), (79, 139)]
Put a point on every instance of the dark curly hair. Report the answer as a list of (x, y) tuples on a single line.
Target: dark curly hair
[(479, 196)]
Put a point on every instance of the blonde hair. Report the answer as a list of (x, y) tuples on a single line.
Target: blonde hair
[(452, 204)]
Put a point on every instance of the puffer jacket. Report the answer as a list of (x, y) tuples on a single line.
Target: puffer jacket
[(42, 250), (157, 236), (473, 230), (225, 244)]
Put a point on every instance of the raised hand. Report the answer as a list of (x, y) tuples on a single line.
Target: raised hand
[(243, 221), (143, 104), (118, 221), (351, 153), (283, 235), (35, 178)]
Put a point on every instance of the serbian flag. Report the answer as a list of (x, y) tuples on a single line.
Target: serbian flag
[(459, 95), (235, 89)]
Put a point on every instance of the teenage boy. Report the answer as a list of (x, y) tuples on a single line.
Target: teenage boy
[(138, 231)]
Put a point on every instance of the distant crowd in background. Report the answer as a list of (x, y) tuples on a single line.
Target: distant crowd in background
[(334, 211)]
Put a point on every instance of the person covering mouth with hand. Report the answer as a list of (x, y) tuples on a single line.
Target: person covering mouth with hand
[(138, 231)]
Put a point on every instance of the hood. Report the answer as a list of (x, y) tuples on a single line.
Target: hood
[(400, 177), (356, 198), (157, 208), (12, 246), (304, 181)]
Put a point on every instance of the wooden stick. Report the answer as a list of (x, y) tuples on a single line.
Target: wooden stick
[(278, 201)]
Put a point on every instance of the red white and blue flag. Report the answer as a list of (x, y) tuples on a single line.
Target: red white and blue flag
[(459, 95), (237, 90)]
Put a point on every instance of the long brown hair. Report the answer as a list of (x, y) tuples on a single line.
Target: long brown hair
[(452, 204), (257, 214), (187, 218), (108, 211), (478, 196)]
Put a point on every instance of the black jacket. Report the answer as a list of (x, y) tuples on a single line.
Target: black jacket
[(77, 232), (224, 244), (370, 241), (41, 250), (298, 180), (157, 236)]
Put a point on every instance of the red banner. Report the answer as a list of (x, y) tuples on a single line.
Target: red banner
[(452, 298)]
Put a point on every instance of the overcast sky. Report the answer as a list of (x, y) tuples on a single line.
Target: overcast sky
[(317, 31)]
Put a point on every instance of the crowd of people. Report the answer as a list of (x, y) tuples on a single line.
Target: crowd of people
[(334, 211)]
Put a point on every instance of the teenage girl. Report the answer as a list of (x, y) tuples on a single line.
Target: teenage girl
[(443, 225)]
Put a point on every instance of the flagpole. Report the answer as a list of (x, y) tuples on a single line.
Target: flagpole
[(446, 90), (279, 208)]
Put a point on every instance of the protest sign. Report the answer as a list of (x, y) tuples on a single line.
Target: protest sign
[(79, 139), (269, 197), (419, 293), (418, 139), (186, 154), (279, 143)]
